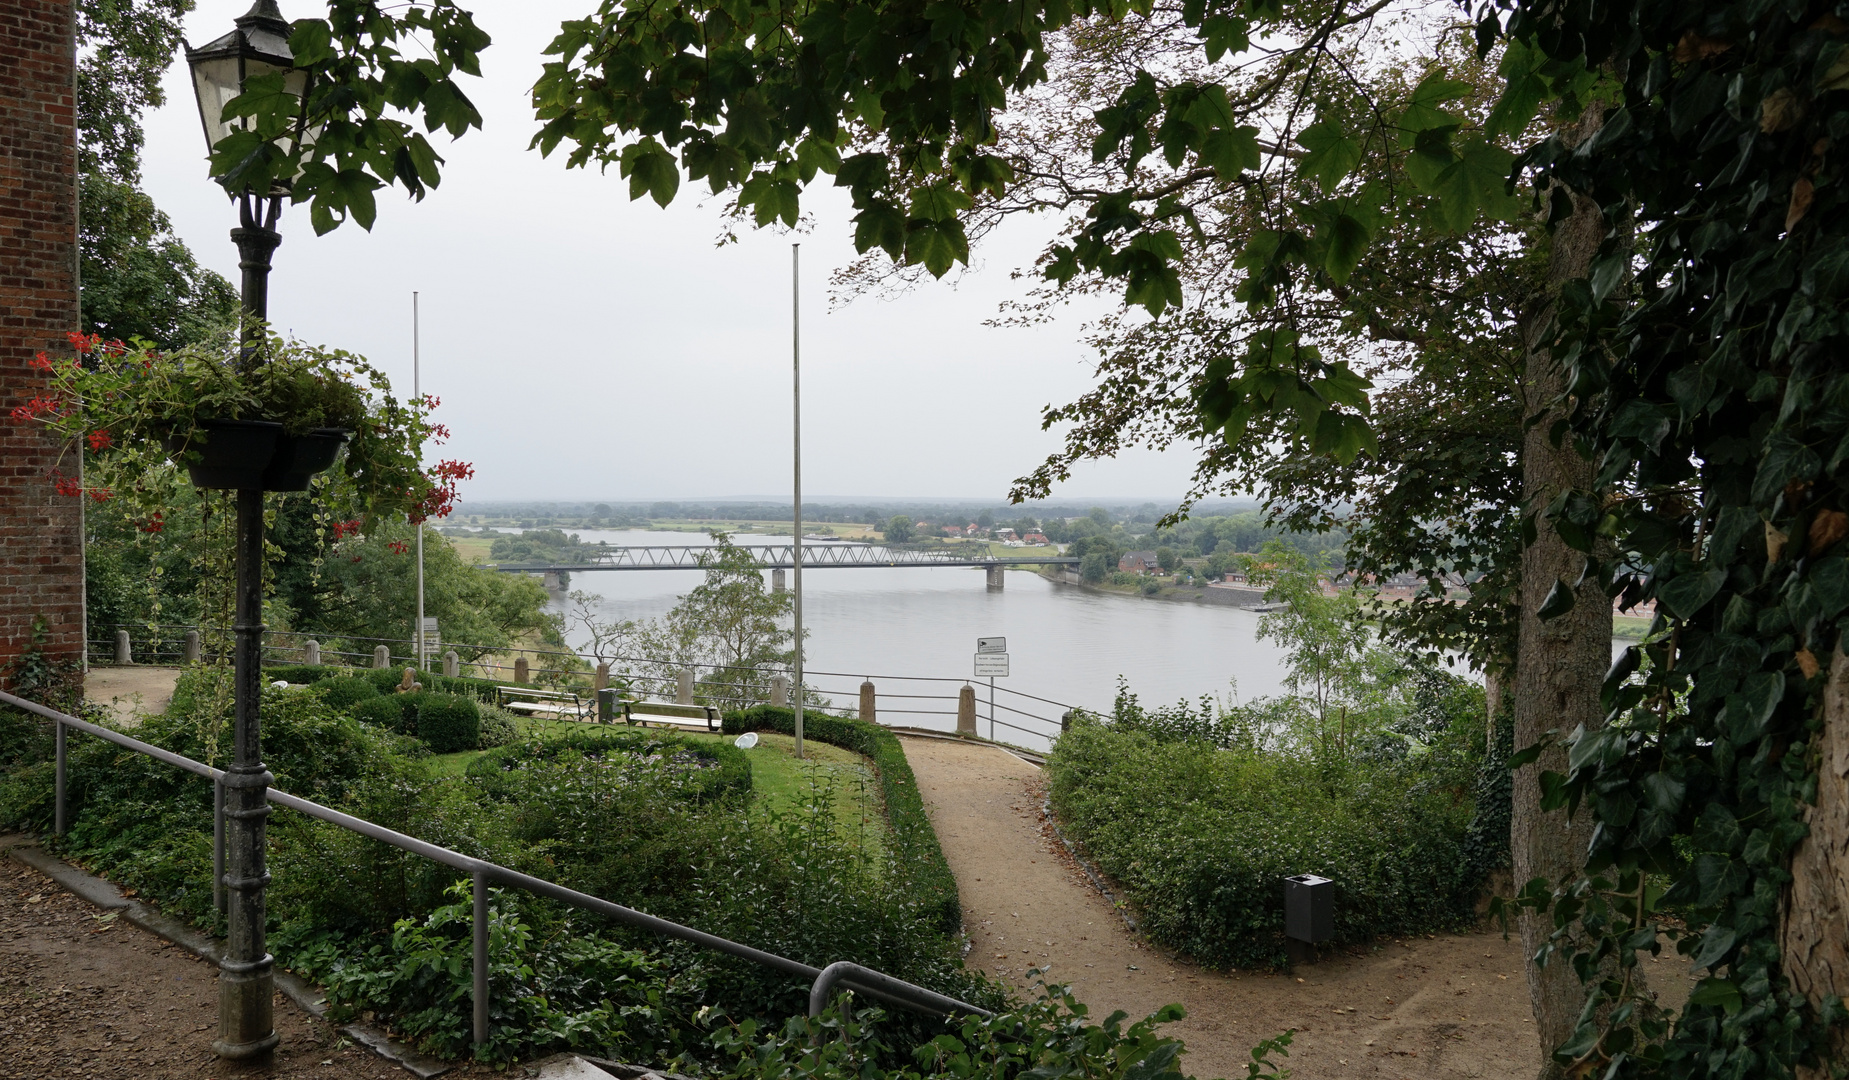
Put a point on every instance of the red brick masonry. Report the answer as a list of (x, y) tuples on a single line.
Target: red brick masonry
[(41, 545)]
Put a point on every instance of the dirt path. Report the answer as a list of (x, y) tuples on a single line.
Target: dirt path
[(84, 994), (131, 691), (1450, 1006)]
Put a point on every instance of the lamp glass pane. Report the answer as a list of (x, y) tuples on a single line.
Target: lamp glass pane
[(215, 83)]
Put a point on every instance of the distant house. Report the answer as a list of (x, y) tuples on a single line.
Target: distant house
[(973, 530), (1138, 562), (952, 530), (1004, 535), (1034, 538)]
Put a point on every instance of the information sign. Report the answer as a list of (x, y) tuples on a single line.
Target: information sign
[(991, 645), (992, 665)]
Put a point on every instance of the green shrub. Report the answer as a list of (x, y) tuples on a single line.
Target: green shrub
[(498, 726), (302, 674), (720, 771), (343, 693), (914, 841), (1202, 837), (447, 722), (381, 711)]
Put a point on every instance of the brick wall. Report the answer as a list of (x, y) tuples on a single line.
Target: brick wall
[(41, 544)]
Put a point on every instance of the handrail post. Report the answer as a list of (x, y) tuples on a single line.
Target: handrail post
[(57, 824), (481, 958)]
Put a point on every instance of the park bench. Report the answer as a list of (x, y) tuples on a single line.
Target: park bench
[(529, 699), (668, 712)]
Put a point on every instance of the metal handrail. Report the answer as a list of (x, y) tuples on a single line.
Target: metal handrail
[(874, 984)]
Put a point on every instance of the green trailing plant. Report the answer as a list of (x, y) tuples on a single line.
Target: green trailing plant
[(707, 771), (134, 407)]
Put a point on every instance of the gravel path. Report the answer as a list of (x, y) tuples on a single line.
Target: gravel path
[(84, 994), (1449, 1006)]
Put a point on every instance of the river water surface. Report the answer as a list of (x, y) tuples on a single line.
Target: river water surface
[(1065, 643)]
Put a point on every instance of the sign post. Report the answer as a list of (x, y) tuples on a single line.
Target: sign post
[(992, 662)]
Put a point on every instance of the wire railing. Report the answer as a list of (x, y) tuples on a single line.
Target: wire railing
[(932, 702), (483, 874)]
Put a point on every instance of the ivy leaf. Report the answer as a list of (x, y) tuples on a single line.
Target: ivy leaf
[(1333, 153), (1722, 992), (1559, 601), (1685, 594), (1715, 943)]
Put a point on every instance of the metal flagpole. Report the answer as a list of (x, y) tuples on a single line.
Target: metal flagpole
[(417, 393), (796, 399)]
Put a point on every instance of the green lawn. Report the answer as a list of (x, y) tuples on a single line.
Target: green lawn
[(777, 776)]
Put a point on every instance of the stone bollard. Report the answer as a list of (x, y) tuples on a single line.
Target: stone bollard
[(124, 652), (866, 702), (520, 670), (780, 691), (683, 687), (602, 678), (966, 711), (311, 653), (776, 580), (452, 665), (382, 657), (192, 647), (1065, 720)]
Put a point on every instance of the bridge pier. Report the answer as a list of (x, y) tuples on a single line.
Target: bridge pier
[(995, 572), (551, 581), (776, 580)]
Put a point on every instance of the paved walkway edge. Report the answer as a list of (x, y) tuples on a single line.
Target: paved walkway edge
[(94, 890)]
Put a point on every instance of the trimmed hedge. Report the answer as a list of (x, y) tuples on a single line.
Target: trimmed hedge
[(385, 680), (448, 722), (914, 842), (384, 713), (343, 694), (732, 777)]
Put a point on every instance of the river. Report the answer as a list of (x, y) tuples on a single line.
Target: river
[(1065, 643)]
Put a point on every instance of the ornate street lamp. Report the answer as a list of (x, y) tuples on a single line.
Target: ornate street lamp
[(246, 983)]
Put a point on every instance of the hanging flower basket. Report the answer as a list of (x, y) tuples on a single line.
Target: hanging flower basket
[(270, 425)]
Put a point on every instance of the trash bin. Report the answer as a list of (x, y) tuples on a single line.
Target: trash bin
[(1309, 908), (606, 705)]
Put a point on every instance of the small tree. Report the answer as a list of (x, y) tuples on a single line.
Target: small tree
[(898, 529), (1095, 565), (1168, 558), (1328, 645)]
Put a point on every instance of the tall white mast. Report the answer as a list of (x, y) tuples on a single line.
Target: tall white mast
[(796, 400), (417, 393)]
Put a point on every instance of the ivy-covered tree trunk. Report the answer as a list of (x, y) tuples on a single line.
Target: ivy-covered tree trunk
[(1816, 916), (1561, 662)]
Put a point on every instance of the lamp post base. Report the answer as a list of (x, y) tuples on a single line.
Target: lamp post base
[(246, 1014)]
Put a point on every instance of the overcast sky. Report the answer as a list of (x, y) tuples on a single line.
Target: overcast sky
[(586, 346)]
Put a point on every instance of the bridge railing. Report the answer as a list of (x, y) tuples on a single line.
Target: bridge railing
[(924, 701)]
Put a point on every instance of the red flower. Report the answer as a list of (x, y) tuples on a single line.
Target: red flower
[(101, 494), (83, 342), (440, 500), (398, 547), (42, 362), (431, 401), (99, 439), (68, 485), (344, 529), (155, 524)]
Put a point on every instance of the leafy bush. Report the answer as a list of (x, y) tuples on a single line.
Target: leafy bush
[(447, 722), (343, 694), (1201, 837), (379, 710), (498, 727), (913, 840), (717, 771)]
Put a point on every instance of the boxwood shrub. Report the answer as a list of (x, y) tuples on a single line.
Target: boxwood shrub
[(447, 722), (379, 710), (343, 694), (914, 842)]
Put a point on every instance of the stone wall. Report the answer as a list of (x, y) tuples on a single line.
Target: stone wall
[(41, 543)]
